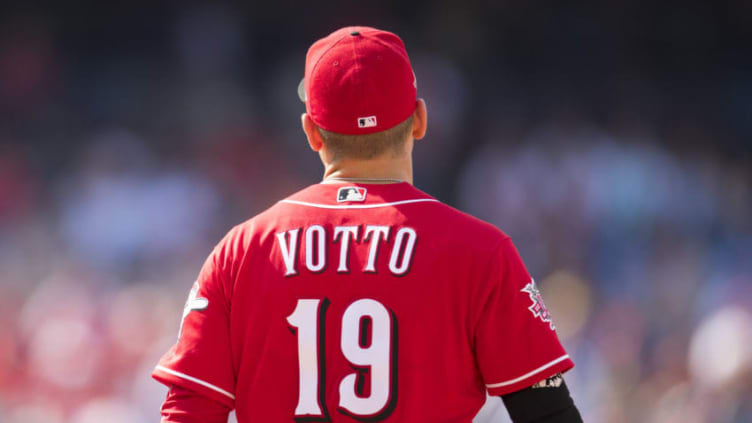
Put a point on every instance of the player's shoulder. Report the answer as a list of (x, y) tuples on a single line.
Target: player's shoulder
[(272, 216), (466, 229)]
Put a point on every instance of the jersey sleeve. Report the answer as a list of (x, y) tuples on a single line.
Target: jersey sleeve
[(201, 359), (516, 344), (185, 406)]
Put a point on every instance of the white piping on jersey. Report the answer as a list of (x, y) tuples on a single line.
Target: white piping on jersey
[(358, 206), (196, 380), (527, 375)]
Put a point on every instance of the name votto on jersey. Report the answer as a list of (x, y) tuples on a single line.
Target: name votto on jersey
[(317, 245)]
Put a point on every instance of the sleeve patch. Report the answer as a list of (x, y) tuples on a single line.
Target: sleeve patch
[(538, 307)]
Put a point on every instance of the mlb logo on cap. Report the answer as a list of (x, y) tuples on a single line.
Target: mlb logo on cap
[(351, 194), (367, 122)]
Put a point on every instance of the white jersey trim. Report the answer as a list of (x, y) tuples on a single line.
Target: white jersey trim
[(195, 380), (358, 206), (527, 375)]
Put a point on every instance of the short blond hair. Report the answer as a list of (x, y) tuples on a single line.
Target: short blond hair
[(368, 146)]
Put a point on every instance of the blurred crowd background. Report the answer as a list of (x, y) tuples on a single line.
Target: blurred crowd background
[(611, 140)]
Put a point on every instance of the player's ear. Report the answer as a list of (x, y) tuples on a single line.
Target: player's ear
[(312, 133), (420, 119)]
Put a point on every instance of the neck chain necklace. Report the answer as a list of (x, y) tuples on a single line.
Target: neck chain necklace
[(365, 180)]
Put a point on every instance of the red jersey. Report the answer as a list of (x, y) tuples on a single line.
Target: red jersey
[(349, 302)]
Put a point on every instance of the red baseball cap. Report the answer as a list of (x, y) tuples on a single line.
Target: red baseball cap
[(358, 80)]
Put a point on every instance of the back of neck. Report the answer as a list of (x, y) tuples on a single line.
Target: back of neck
[(379, 170)]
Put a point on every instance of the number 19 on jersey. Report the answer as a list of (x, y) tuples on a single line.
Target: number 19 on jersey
[(368, 342)]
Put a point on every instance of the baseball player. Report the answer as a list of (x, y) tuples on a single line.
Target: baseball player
[(361, 298)]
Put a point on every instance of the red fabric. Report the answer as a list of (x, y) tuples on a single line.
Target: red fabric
[(199, 360), (186, 406), (506, 318), (457, 317), (359, 72)]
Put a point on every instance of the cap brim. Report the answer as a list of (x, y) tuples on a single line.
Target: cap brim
[(301, 90)]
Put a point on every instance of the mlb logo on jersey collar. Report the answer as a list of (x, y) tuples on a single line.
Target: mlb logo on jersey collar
[(351, 194)]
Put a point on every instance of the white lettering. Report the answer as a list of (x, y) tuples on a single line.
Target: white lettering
[(318, 246), (320, 250), (288, 252), (376, 234), (345, 233), (407, 251)]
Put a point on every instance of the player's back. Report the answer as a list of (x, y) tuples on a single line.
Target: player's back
[(370, 302), (361, 307)]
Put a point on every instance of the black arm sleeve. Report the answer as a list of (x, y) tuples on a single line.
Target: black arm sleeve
[(545, 402)]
